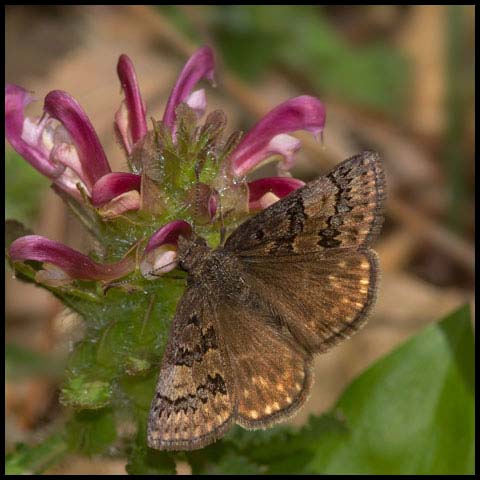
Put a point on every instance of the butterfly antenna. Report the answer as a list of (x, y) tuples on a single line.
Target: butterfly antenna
[(110, 285), (153, 272)]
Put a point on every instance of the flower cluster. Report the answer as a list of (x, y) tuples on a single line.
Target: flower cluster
[(183, 175)]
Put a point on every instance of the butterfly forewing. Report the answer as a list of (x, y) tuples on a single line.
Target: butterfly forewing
[(340, 210), (194, 402)]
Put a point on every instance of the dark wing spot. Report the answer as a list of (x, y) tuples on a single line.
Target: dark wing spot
[(194, 320), (259, 235), (329, 242)]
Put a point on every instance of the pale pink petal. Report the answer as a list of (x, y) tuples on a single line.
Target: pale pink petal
[(197, 101), (159, 261), (66, 154), (284, 145), (125, 202), (122, 127), (160, 254), (265, 201), (24, 135)]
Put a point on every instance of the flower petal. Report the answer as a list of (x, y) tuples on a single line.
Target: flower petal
[(286, 146), (265, 191), (169, 234), (200, 65), (213, 204), (24, 135), (159, 261), (131, 118), (266, 137), (112, 185), (123, 203), (197, 101), (75, 264), (61, 106), (161, 251)]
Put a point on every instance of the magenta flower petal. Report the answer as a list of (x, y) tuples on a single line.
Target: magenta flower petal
[(24, 135), (268, 137), (160, 254), (265, 191), (168, 234), (61, 106), (112, 185), (213, 205), (133, 126), (200, 65), (75, 264)]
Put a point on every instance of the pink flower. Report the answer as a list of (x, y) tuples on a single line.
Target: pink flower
[(266, 191), (63, 146), (200, 65), (131, 118), (63, 264), (116, 193), (269, 136), (160, 254)]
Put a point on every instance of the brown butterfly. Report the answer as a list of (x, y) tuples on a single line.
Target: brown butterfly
[(293, 280)]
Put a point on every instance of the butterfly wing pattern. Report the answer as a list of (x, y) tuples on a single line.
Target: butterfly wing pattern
[(341, 210), (292, 281), (314, 262), (194, 402)]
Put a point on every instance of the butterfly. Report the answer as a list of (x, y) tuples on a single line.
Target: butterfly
[(292, 281)]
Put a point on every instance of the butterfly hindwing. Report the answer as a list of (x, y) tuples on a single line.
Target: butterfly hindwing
[(271, 370), (194, 401), (340, 210), (322, 300)]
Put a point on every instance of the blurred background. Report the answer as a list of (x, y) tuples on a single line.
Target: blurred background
[(395, 79)]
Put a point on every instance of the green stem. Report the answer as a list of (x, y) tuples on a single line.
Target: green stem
[(35, 460)]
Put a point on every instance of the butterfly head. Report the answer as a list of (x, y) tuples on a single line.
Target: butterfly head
[(191, 252)]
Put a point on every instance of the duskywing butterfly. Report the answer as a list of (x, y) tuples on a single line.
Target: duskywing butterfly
[(293, 280)]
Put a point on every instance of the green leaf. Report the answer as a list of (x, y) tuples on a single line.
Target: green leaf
[(233, 463), (126, 335), (145, 461), (81, 393), (283, 450), (140, 391), (26, 460), (412, 412), (279, 450), (91, 432)]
